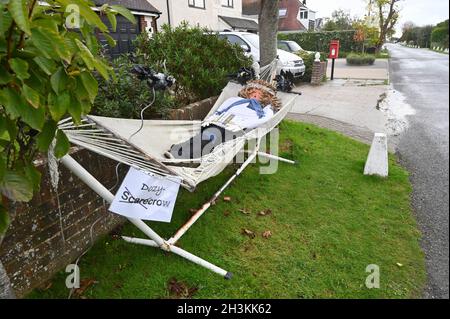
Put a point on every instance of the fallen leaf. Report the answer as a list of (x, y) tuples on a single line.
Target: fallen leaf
[(267, 234), (243, 211), (84, 285), (248, 233), (47, 286), (115, 237), (180, 290), (227, 199), (399, 264), (266, 212)]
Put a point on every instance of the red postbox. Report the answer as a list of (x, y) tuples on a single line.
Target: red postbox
[(334, 49), (334, 54)]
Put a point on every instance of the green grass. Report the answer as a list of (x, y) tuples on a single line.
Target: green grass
[(328, 221)]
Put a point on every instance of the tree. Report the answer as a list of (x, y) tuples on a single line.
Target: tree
[(340, 21), (49, 54), (365, 34), (388, 14), (268, 29), (439, 35)]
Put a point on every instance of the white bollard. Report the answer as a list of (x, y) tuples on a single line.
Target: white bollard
[(378, 161)]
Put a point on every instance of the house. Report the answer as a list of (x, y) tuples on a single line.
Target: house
[(216, 15), (294, 15), (146, 17)]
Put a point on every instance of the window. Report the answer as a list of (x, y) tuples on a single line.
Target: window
[(227, 3), (283, 46), (233, 39), (283, 13), (197, 4), (303, 14)]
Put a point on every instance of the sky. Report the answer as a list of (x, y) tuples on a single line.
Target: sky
[(418, 11)]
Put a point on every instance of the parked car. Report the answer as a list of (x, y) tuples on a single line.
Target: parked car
[(291, 46), (249, 42)]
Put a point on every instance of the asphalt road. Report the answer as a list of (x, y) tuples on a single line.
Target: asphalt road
[(423, 77)]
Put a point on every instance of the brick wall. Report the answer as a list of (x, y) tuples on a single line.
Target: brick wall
[(34, 248), (319, 71), (194, 111)]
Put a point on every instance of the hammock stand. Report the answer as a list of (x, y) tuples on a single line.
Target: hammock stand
[(106, 136)]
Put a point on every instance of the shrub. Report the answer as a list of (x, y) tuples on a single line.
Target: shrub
[(125, 96), (197, 58), (46, 73), (360, 59), (308, 59), (320, 41), (440, 36)]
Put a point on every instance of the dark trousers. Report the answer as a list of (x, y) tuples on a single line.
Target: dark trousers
[(203, 143)]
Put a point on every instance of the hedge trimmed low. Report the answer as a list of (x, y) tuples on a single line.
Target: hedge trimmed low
[(360, 59)]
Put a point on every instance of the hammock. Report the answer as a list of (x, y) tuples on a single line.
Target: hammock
[(117, 139), (110, 137)]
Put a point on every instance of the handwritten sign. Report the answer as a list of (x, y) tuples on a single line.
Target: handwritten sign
[(146, 197)]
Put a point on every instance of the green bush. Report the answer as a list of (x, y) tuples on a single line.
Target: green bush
[(360, 59), (197, 58), (320, 41), (308, 59), (440, 36), (126, 96)]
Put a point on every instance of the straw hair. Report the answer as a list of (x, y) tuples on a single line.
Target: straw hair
[(269, 93)]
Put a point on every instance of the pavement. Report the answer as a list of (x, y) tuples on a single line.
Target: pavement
[(414, 111), (348, 106), (378, 71), (422, 77)]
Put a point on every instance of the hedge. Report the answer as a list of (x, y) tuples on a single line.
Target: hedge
[(439, 37), (360, 59), (320, 41)]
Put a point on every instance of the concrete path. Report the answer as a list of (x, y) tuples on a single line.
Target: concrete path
[(378, 71), (422, 76), (348, 106)]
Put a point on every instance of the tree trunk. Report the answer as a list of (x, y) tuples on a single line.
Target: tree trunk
[(387, 21), (268, 29)]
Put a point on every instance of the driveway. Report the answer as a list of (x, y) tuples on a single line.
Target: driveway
[(422, 76)]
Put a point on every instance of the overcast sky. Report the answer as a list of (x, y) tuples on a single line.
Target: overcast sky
[(418, 11)]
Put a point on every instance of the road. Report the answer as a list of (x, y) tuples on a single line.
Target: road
[(423, 77)]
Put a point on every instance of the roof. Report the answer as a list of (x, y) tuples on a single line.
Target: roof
[(290, 21), (135, 5), (240, 23)]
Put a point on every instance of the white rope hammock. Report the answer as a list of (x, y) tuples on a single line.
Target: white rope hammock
[(110, 137)]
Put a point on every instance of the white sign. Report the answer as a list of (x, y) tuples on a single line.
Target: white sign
[(146, 197)]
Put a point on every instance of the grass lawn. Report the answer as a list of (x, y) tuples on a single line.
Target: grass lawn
[(328, 223)]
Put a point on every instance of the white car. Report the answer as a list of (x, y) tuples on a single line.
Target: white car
[(250, 43)]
